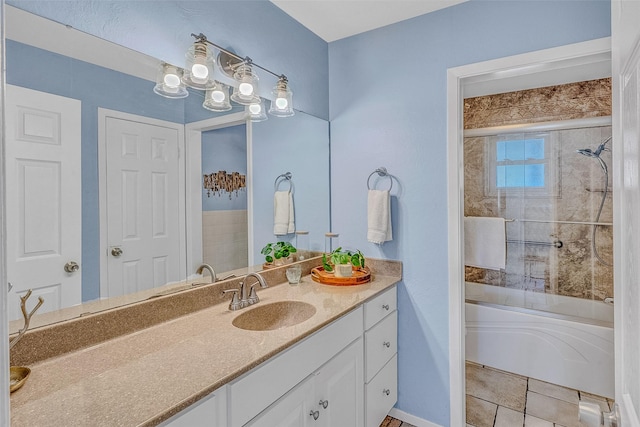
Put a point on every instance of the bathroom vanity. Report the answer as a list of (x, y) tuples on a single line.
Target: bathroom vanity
[(200, 369)]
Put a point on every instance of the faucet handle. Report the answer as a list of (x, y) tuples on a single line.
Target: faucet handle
[(235, 303), (253, 296)]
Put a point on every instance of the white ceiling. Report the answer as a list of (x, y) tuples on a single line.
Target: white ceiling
[(336, 19)]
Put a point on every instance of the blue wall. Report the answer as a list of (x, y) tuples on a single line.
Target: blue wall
[(162, 29), (388, 108), (224, 149), (95, 87)]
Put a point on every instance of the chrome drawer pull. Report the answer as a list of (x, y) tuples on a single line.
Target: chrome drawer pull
[(386, 307), (314, 414), (386, 344), (324, 403), (386, 391)]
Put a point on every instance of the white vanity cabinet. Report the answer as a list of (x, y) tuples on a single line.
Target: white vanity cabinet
[(345, 374), (381, 347), (330, 397), (208, 412)]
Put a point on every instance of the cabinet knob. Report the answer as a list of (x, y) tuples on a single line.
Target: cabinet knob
[(314, 414), (324, 403), (386, 391), (386, 344), (386, 307)]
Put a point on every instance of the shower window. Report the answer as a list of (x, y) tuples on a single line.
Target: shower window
[(521, 163)]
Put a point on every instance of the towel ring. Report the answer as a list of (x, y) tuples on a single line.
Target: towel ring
[(381, 171), (284, 177)]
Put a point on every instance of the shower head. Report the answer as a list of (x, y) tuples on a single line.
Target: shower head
[(587, 152), (590, 153)]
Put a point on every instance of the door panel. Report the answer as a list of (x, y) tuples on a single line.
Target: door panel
[(626, 193), (43, 198), (143, 220)]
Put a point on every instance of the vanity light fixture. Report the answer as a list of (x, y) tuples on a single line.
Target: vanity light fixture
[(257, 112), (246, 93), (217, 98), (198, 74), (282, 103), (169, 82)]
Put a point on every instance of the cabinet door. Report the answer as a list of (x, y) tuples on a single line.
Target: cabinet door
[(208, 412), (297, 408), (339, 389)]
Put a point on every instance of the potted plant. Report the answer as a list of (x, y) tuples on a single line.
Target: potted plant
[(342, 262), (278, 253)]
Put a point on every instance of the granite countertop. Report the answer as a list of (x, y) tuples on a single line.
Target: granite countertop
[(144, 377)]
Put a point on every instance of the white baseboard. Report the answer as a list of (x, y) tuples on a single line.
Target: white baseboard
[(411, 419)]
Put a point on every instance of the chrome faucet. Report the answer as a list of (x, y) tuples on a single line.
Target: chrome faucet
[(209, 269), (246, 295)]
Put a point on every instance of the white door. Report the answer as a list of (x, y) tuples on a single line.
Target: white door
[(142, 188), (626, 193), (43, 198), (297, 408)]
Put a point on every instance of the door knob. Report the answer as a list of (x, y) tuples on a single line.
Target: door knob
[(314, 414), (116, 251), (71, 267)]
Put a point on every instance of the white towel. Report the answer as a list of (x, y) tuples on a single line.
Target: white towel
[(283, 215), (485, 242), (379, 216)]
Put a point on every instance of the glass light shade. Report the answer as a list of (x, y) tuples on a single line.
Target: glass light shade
[(282, 100), (169, 82), (198, 71), (246, 92), (257, 112), (217, 98)]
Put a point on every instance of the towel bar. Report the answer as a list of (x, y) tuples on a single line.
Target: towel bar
[(556, 243), (284, 177), (381, 171)]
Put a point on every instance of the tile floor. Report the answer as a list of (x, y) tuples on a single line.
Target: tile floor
[(501, 399)]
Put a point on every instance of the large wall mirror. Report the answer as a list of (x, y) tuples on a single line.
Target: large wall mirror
[(106, 203)]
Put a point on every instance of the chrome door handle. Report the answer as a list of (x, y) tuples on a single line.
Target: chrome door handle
[(386, 391), (324, 403), (314, 414), (386, 307), (71, 267), (386, 344), (116, 252)]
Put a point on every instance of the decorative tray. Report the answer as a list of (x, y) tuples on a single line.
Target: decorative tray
[(360, 275), (19, 375)]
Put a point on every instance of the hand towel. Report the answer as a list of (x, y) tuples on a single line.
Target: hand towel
[(283, 213), (485, 242), (379, 216)]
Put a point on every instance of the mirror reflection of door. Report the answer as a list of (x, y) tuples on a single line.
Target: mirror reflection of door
[(224, 198), (43, 203), (142, 164)]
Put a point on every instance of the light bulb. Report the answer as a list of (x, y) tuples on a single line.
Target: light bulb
[(199, 71), (255, 108), (171, 80), (217, 95), (246, 89), (282, 103)]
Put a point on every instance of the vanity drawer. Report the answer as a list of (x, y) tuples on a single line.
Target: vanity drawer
[(380, 344), (381, 393), (376, 309)]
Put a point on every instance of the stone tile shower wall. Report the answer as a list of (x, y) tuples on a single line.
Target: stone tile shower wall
[(573, 269)]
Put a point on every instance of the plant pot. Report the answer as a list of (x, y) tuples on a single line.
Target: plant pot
[(283, 261), (342, 270)]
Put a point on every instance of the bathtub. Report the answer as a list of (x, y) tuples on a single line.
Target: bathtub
[(561, 340)]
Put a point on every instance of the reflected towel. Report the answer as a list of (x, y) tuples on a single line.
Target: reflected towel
[(283, 215), (379, 216), (485, 242)]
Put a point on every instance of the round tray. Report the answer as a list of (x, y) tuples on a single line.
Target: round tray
[(360, 275)]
